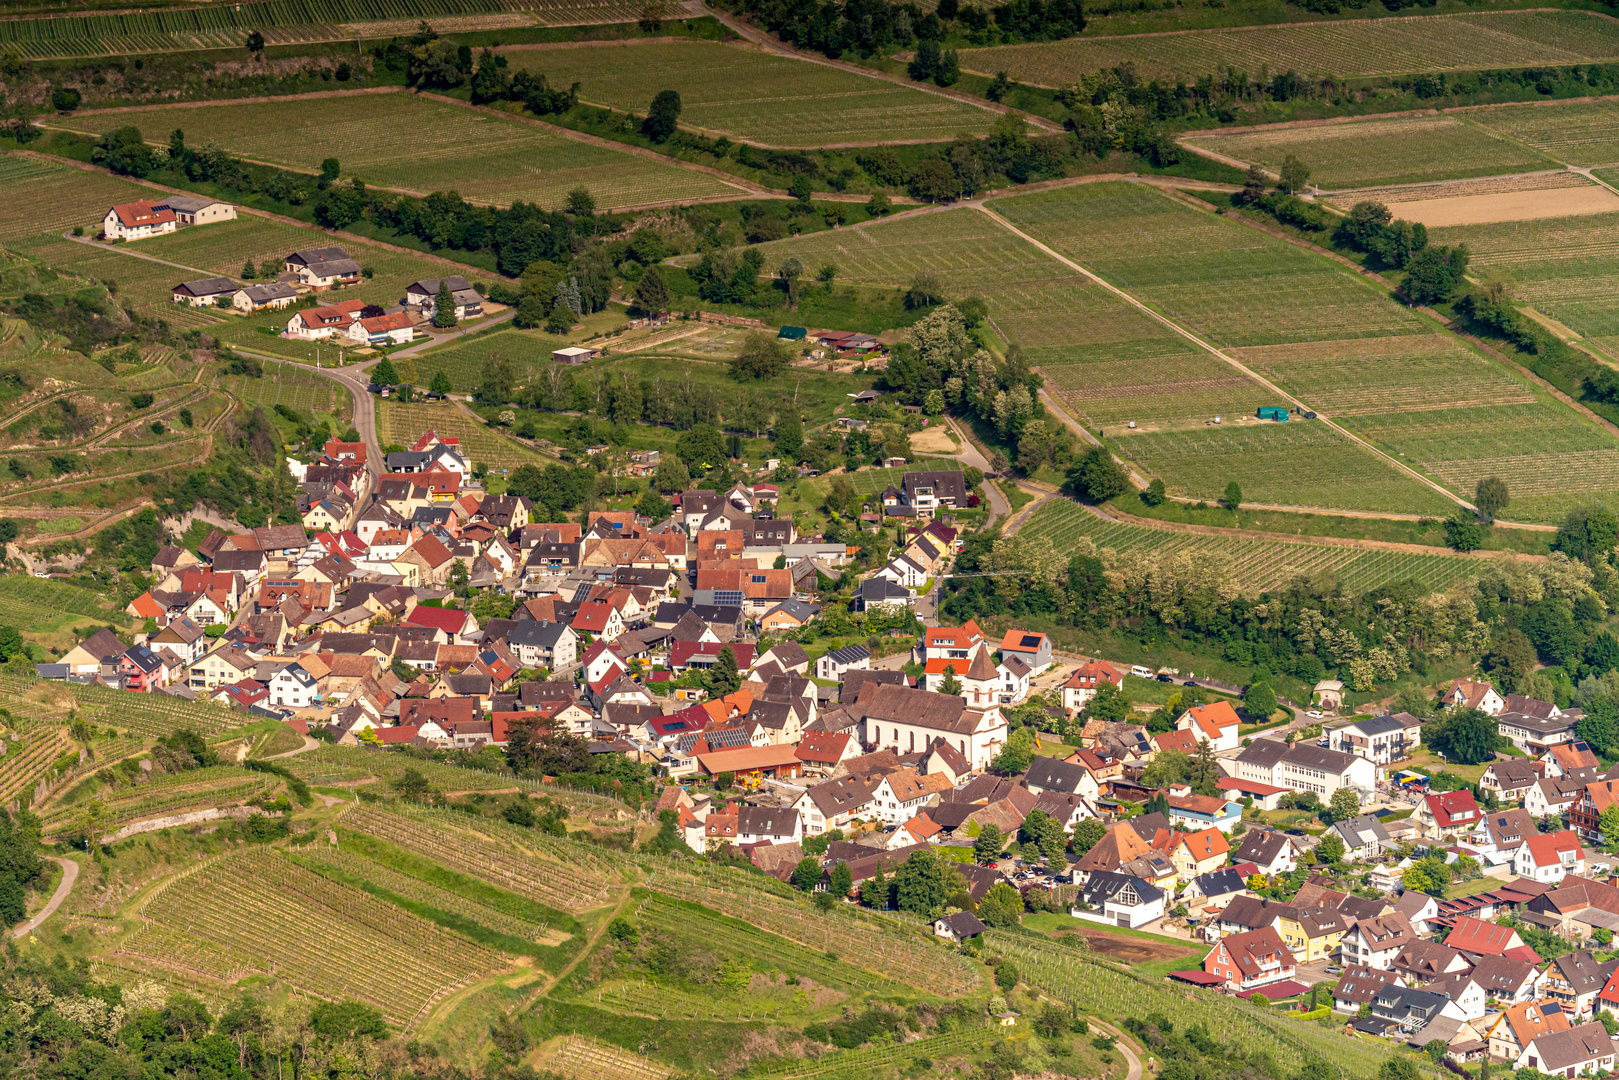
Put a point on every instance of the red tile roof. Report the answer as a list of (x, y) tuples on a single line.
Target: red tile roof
[(142, 212), (1548, 850), (449, 620), (1453, 808), (1472, 935)]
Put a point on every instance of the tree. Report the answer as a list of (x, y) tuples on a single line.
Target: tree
[(841, 881), (1233, 496), (444, 306), (255, 42), (1002, 906), (651, 294), (1097, 476), (877, 206), (441, 382), (1345, 804), (65, 99), (1463, 531), (1007, 976), (1491, 497), (1087, 834), (926, 289), (1154, 495), (495, 380), (1108, 704), (1294, 176), (671, 474), (662, 117), (788, 434), (920, 885), (723, 678), (1610, 825), (124, 152), (1330, 850), (249, 271), (807, 874), (1016, 755), (1588, 533), (763, 356), (1259, 701), (987, 846), (384, 373), (792, 268), (701, 448), (1435, 1049), (1433, 274), (950, 684), (1463, 736), (581, 203), (652, 506)]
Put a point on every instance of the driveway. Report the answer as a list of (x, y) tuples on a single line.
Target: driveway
[(70, 874)]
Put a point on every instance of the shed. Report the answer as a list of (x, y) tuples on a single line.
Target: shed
[(1278, 413), (573, 354), (793, 333)]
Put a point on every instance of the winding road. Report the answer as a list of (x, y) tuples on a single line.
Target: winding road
[(70, 874)]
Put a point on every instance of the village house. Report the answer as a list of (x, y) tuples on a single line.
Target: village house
[(1251, 960), (323, 268)]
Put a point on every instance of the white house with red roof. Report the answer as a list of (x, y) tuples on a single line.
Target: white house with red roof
[(600, 659), (600, 619), (452, 621), (1251, 960), (1445, 814), (312, 324), (1216, 723), (1471, 694), (138, 220), (1083, 683), (395, 329), (953, 642), (1032, 647), (1549, 857), (824, 751)]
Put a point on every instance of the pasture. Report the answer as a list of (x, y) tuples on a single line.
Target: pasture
[(405, 141), (1258, 564), (1369, 153), (1572, 133), (1567, 268), (1346, 49), (742, 91)]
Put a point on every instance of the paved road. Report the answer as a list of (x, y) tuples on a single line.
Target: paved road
[(352, 378), (310, 743), (971, 455), (70, 874), (1134, 1072)]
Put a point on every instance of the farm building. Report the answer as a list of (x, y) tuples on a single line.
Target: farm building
[(1278, 413), (264, 297), (793, 333), (574, 354), (191, 210), (323, 268), (203, 292), (138, 220)]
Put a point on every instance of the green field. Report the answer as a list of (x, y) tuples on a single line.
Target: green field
[(1256, 564), (404, 141), (528, 351), (1573, 133), (1343, 49), (293, 387), (1366, 153), (47, 197), (747, 93), (1567, 268), (404, 424)]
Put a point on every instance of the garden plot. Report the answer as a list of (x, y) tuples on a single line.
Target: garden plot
[(743, 91), (1567, 268), (1368, 153), (1348, 48), (400, 140), (1258, 564)]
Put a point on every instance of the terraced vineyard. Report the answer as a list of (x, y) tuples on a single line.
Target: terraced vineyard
[(1369, 153), (584, 1057), (404, 424), (1346, 49), (751, 94), (177, 793), (259, 910), (567, 887), (423, 146), (293, 387), (1258, 564), (154, 715), (26, 600), (28, 758), (887, 947)]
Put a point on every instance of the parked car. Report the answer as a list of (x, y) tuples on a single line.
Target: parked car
[(1315, 714)]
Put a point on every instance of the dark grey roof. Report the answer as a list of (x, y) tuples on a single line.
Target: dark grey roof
[(1263, 753), (1312, 756), (1378, 725), (314, 255), (537, 633), (767, 820), (1260, 846), (213, 286), (878, 589), (1105, 885), (1219, 882), (1055, 774), (1350, 829), (850, 654), (1574, 1047), (964, 924)]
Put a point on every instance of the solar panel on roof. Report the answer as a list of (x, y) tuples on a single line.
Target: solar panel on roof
[(1031, 641)]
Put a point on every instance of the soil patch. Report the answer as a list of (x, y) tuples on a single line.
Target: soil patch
[(1129, 950), (1508, 206), (933, 440)]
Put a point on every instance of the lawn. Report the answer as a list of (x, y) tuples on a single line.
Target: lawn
[(1344, 49), (1369, 153), (742, 91), (1257, 565), (400, 140)]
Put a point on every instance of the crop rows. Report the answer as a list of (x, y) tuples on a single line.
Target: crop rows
[(1573, 133), (1101, 988), (1347, 48), (888, 950), (403, 424), (414, 889), (874, 1060), (528, 351), (194, 789), (155, 943), (155, 715), (425, 145), (304, 391), (588, 1059), (43, 197), (26, 760), (570, 888), (1460, 189), (321, 937), (50, 595), (757, 95), (1258, 564), (1372, 153)]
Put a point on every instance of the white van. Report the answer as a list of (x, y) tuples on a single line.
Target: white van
[(1141, 672)]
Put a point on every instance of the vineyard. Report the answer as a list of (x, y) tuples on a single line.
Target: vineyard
[(1103, 989), (28, 601), (1572, 133), (44, 197), (887, 947), (1369, 153), (1350, 48), (751, 94), (27, 758), (403, 424), (571, 885), (261, 911), (587, 1059), (154, 715), (1258, 564), (176, 793), (421, 145), (1463, 189), (293, 387), (1567, 268), (528, 351), (420, 891)]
